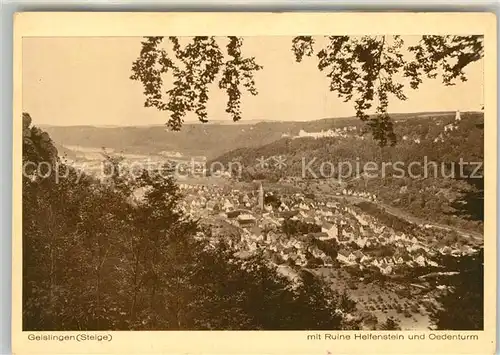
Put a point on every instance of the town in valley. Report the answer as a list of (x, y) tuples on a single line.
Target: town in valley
[(388, 261)]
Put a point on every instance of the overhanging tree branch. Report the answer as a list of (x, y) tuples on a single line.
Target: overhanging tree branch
[(194, 68), (365, 70)]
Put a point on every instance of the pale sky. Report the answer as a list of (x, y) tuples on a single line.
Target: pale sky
[(85, 81)]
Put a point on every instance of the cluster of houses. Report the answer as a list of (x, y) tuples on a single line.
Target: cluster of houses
[(360, 238), (202, 201), (343, 132)]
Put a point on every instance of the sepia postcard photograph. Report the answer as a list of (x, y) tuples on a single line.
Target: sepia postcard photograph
[(306, 183)]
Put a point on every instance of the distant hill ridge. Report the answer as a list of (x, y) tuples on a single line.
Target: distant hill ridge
[(255, 121), (211, 139)]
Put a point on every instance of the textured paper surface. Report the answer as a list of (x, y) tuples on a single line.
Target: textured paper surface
[(259, 24)]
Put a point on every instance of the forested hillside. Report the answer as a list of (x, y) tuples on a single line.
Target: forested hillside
[(433, 193), (195, 139)]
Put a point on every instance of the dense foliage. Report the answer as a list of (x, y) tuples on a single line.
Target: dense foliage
[(462, 308)]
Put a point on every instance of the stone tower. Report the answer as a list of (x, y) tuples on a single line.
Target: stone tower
[(261, 197)]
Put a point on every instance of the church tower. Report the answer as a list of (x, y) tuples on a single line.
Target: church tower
[(261, 197)]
